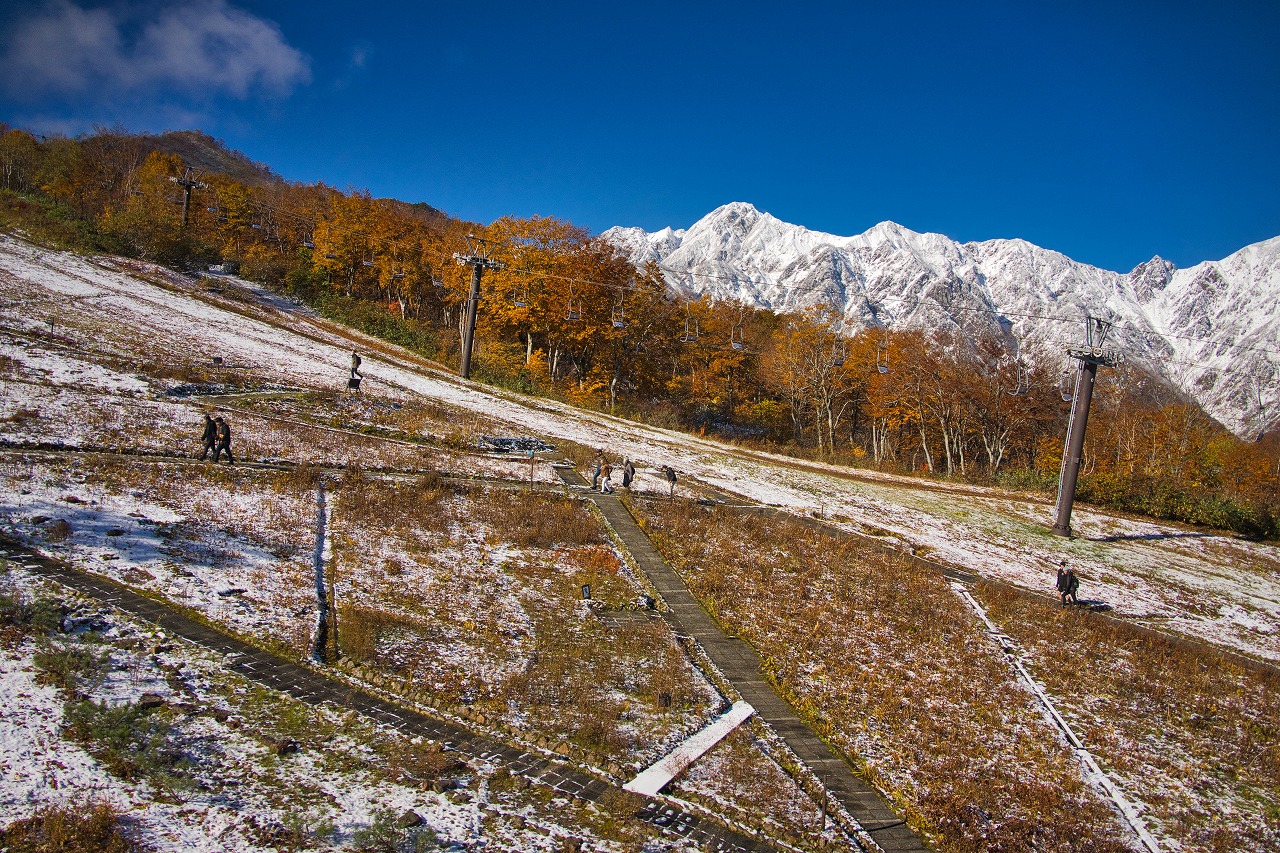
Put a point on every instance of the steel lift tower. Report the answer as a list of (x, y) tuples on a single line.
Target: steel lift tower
[(1090, 356), (479, 258)]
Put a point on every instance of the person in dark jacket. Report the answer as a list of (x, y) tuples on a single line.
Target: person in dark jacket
[(670, 474), (210, 436), (1073, 584), (224, 441), (1062, 580), (628, 473)]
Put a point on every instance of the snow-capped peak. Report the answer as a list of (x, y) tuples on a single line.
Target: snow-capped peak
[(1212, 330)]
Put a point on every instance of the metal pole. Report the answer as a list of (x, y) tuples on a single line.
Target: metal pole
[(469, 333), (186, 203), (1071, 459)]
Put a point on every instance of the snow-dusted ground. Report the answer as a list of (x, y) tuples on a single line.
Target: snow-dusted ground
[(239, 795), (89, 348), (108, 320)]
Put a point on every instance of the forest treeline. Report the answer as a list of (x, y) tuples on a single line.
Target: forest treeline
[(571, 318)]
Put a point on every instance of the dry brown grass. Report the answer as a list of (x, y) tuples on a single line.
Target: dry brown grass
[(474, 595), (881, 657), (75, 828), (533, 520), (1196, 731)]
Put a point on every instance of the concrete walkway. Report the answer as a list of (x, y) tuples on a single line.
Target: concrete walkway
[(740, 665), (314, 687)]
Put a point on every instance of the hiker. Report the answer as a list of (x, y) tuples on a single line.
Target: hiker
[(628, 474), (353, 381), (224, 441), (595, 469), (1073, 584), (606, 483), (670, 474), (1062, 580), (210, 436)]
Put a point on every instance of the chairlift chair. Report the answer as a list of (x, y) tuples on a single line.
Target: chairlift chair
[(735, 338), (522, 301), (1020, 387), (838, 353), (1064, 384), (882, 357), (619, 317), (575, 309), (690, 326)]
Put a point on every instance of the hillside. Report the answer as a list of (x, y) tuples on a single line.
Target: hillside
[(457, 587), (1212, 330)]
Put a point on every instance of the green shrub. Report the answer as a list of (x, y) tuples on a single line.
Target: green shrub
[(383, 835), (134, 743), (72, 666)]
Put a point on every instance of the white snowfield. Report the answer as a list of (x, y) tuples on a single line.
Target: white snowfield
[(1204, 584)]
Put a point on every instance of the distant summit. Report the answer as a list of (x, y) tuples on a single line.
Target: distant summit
[(1212, 330)]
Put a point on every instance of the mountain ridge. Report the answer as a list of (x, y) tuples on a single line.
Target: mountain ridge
[(1210, 330)]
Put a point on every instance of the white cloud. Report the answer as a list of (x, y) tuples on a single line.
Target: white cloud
[(199, 47)]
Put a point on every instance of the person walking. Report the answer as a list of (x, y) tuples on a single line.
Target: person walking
[(353, 381), (606, 481), (1073, 585), (670, 474), (210, 436), (628, 474), (595, 469), (224, 441)]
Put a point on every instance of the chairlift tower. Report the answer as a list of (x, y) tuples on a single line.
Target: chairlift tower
[(1090, 356), (479, 257), (188, 183)]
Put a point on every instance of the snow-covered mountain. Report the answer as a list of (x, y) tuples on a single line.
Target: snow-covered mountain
[(1213, 330)]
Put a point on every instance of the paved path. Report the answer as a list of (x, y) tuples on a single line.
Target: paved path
[(313, 687), (740, 664)]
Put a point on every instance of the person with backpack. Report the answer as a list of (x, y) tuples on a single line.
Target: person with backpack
[(670, 474), (1073, 585), (210, 436), (628, 474), (1062, 581), (224, 441)]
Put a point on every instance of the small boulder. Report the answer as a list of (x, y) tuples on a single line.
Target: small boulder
[(150, 701), (410, 819), (286, 746), (116, 531), (58, 530), (40, 519)]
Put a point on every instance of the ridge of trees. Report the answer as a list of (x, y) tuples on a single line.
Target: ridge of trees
[(570, 317)]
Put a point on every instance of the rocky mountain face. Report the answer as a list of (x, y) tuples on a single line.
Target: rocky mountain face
[(1212, 331)]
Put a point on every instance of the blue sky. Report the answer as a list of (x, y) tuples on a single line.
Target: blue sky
[(1110, 132)]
